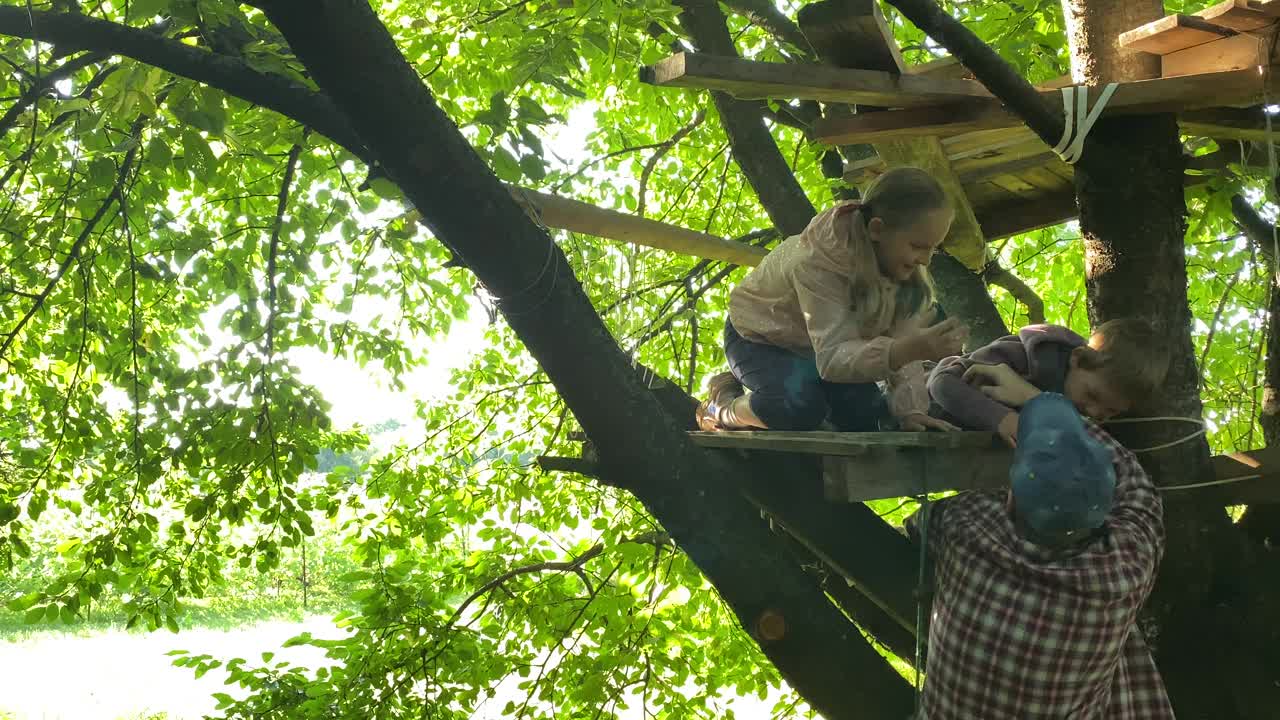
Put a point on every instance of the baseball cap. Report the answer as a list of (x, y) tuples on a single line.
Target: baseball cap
[(1063, 480)]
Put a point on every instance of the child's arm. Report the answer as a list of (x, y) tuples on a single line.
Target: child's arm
[(1135, 524), (967, 403)]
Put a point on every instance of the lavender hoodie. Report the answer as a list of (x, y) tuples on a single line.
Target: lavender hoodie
[(1039, 353)]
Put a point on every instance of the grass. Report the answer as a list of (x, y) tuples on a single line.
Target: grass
[(216, 614)]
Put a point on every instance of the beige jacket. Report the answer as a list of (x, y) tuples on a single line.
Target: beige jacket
[(798, 298)]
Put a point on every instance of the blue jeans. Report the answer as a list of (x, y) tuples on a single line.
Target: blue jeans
[(788, 394)]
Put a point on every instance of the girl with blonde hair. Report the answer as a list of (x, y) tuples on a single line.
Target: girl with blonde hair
[(831, 312)]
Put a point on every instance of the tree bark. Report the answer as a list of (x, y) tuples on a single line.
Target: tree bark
[(1132, 218), (641, 447), (963, 294)]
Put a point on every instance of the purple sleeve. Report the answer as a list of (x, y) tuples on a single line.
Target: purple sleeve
[(966, 403)]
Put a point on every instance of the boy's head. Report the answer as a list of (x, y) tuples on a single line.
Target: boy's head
[(1062, 481), (1118, 371)]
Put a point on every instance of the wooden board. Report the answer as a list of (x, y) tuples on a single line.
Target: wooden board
[(851, 34), (1172, 33), (566, 214), (1247, 124), (1176, 94), (1242, 15), (1005, 219), (838, 443), (1233, 53), (796, 81), (981, 166)]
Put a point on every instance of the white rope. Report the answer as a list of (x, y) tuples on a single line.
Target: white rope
[(1078, 119), (1207, 483), (1203, 429)]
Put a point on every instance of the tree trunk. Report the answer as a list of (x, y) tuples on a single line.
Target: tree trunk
[(642, 448), (1132, 218)]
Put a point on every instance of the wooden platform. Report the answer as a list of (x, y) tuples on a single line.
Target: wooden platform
[(857, 467), (1214, 63)]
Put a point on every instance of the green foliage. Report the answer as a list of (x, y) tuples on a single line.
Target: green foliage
[(156, 440)]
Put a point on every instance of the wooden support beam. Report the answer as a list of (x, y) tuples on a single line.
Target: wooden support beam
[(1006, 219), (851, 34), (750, 79), (1176, 94), (1247, 124), (871, 466), (1172, 33), (566, 214)]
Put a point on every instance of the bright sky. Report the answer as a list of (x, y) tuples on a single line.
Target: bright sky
[(362, 395)]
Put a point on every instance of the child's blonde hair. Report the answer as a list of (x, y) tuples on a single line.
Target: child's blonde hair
[(899, 197), (1130, 355)]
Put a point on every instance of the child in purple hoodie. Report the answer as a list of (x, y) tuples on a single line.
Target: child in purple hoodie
[(1115, 371)]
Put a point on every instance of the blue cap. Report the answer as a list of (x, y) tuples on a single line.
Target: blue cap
[(1063, 480)]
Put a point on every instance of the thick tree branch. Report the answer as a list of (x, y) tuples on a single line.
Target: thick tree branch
[(767, 15), (225, 73), (1255, 227), (994, 274), (690, 490), (44, 84), (964, 295), (988, 67)]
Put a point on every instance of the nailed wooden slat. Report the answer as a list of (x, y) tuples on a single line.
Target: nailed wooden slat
[(851, 34), (1233, 53), (1247, 124), (1016, 165), (1172, 33), (971, 167), (1242, 15), (1005, 219), (837, 443), (1176, 94), (796, 81)]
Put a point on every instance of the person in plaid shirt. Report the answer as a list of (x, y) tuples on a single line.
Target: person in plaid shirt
[(1037, 591)]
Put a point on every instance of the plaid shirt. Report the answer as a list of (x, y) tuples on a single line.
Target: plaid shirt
[(1018, 634)]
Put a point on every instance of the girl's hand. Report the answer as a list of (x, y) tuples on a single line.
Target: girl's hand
[(919, 422), (943, 340)]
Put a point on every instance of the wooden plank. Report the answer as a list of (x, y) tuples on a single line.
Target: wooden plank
[(1242, 15), (930, 121), (944, 67), (1176, 94), (1016, 186), (838, 443), (1247, 124), (851, 34), (565, 214), (974, 143), (1005, 219), (881, 474), (973, 166), (1044, 179), (1233, 53), (1172, 33), (797, 81), (1252, 477), (1016, 166), (984, 194)]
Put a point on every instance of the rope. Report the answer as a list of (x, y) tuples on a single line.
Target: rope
[(921, 585), (1203, 429), (1079, 119)]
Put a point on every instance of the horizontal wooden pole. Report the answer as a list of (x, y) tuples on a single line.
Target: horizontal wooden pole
[(561, 213), (575, 216), (750, 79), (1176, 94)]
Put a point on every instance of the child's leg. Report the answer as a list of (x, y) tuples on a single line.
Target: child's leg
[(786, 392), (856, 407)]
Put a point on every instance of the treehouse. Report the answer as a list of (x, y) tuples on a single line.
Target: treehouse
[(1216, 74)]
